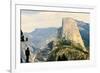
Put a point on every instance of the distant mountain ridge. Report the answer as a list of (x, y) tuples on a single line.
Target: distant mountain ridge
[(84, 31), (40, 35)]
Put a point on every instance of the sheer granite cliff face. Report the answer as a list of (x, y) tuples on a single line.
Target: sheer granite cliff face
[(71, 31)]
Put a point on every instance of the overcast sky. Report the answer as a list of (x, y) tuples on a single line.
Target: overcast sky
[(30, 20)]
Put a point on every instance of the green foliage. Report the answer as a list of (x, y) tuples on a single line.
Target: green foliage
[(67, 50)]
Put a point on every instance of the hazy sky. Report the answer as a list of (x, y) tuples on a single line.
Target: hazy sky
[(30, 20)]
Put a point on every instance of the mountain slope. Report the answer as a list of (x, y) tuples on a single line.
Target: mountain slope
[(43, 36), (84, 31)]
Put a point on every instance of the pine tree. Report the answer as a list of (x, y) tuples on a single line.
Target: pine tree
[(22, 36)]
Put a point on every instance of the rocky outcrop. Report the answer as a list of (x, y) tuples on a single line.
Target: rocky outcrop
[(71, 31)]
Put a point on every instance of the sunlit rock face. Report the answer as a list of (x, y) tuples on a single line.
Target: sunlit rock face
[(71, 31)]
